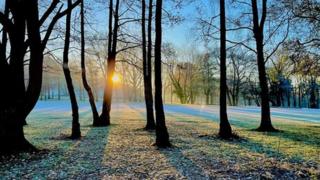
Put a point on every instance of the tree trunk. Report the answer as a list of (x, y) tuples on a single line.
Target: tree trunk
[(87, 87), (11, 132), (17, 101), (76, 133), (13, 95), (147, 65), (162, 136), (59, 90), (107, 98), (313, 99), (265, 124), (225, 130), (289, 98), (104, 119), (294, 97)]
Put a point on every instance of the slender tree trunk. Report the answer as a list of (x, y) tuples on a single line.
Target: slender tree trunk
[(313, 99), (258, 28), (162, 136), (107, 98), (75, 112), (104, 119), (59, 90), (87, 87), (112, 53), (289, 98), (225, 130), (147, 65), (294, 97)]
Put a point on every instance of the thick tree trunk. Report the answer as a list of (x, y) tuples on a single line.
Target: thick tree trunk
[(225, 130), (12, 76), (76, 133), (87, 87), (17, 101), (258, 28), (11, 131), (162, 136), (147, 66)]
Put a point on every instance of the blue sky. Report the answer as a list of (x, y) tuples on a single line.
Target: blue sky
[(179, 34)]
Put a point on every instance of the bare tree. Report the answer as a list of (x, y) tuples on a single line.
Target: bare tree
[(112, 53), (75, 134), (95, 114), (225, 130), (147, 73), (162, 136), (258, 30), (17, 101)]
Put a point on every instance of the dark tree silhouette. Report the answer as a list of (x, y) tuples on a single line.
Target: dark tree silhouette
[(147, 73), (225, 130), (112, 53), (87, 87), (258, 28), (75, 134), (18, 100), (162, 136)]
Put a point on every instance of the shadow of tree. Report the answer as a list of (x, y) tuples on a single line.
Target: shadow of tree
[(86, 157), (301, 136), (184, 165)]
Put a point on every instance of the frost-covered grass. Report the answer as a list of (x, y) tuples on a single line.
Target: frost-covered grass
[(124, 150)]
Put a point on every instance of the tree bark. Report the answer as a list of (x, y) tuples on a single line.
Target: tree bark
[(162, 136), (12, 95), (95, 114), (225, 130), (11, 132), (258, 28), (76, 133), (112, 54), (147, 76)]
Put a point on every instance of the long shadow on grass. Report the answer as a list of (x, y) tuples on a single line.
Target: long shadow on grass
[(270, 152), (299, 137), (252, 146), (177, 159), (85, 159), (250, 123), (183, 164)]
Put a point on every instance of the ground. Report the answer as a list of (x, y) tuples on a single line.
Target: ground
[(124, 150)]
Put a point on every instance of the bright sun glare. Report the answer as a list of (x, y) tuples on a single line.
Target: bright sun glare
[(115, 78)]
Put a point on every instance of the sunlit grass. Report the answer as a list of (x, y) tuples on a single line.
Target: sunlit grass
[(124, 150)]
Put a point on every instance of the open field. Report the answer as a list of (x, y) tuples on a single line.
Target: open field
[(124, 150)]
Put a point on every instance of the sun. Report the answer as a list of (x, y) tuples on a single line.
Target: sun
[(115, 78)]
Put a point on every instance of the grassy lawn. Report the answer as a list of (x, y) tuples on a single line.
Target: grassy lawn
[(124, 150)]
